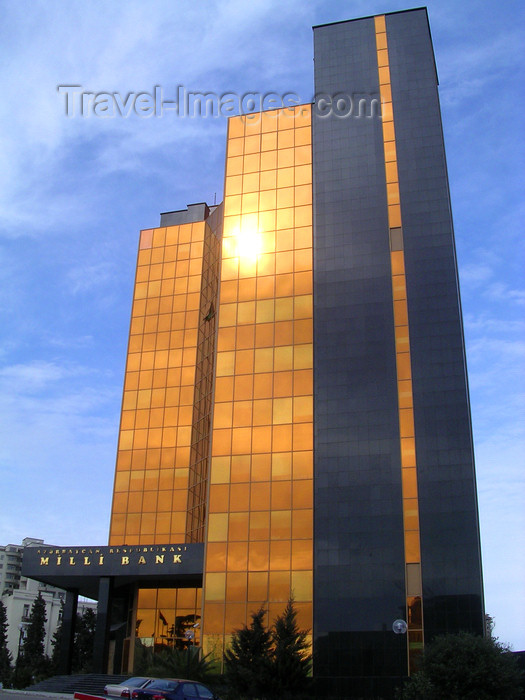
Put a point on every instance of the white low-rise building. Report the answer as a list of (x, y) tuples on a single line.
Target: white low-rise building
[(18, 594)]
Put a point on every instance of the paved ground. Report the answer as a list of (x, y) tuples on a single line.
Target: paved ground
[(32, 695)]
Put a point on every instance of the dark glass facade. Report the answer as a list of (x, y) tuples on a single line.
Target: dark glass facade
[(358, 523), (450, 550), (377, 215)]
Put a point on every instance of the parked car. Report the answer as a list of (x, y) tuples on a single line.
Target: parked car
[(174, 689), (124, 689)]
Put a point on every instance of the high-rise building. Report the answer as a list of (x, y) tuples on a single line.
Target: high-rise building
[(295, 407)]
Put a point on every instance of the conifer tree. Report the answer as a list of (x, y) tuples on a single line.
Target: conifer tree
[(33, 644), (291, 660), (32, 663), (56, 643), (248, 662), (84, 639), (5, 654)]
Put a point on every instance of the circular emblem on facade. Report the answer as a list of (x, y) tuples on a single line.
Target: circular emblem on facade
[(399, 626)]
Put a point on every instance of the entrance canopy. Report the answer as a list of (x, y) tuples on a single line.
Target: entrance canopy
[(80, 568)]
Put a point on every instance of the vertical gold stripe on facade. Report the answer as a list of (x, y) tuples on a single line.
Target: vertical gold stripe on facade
[(414, 606), (259, 544)]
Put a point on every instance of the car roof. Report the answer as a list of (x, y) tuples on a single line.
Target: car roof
[(132, 678)]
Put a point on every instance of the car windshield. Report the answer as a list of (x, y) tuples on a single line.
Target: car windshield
[(134, 682), (164, 685)]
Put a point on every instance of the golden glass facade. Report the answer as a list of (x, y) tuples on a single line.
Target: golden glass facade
[(259, 537), (153, 461), (414, 612), (255, 495), (168, 617)]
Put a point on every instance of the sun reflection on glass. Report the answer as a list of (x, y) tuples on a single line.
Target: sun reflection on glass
[(248, 244)]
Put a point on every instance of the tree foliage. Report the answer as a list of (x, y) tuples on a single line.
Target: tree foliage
[(179, 663), (291, 660), (32, 649), (142, 658), (248, 662), (82, 658), (56, 643), (82, 661), (271, 663), (32, 663), (465, 667), (5, 654)]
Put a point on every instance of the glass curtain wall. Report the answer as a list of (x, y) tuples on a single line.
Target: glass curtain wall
[(259, 538)]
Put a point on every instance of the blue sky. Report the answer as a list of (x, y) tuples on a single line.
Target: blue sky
[(74, 193)]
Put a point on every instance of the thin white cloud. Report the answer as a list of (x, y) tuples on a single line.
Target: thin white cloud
[(475, 274), (504, 348), (499, 291), (33, 376), (79, 341), (485, 324), (59, 426), (83, 279), (132, 50), (467, 71)]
